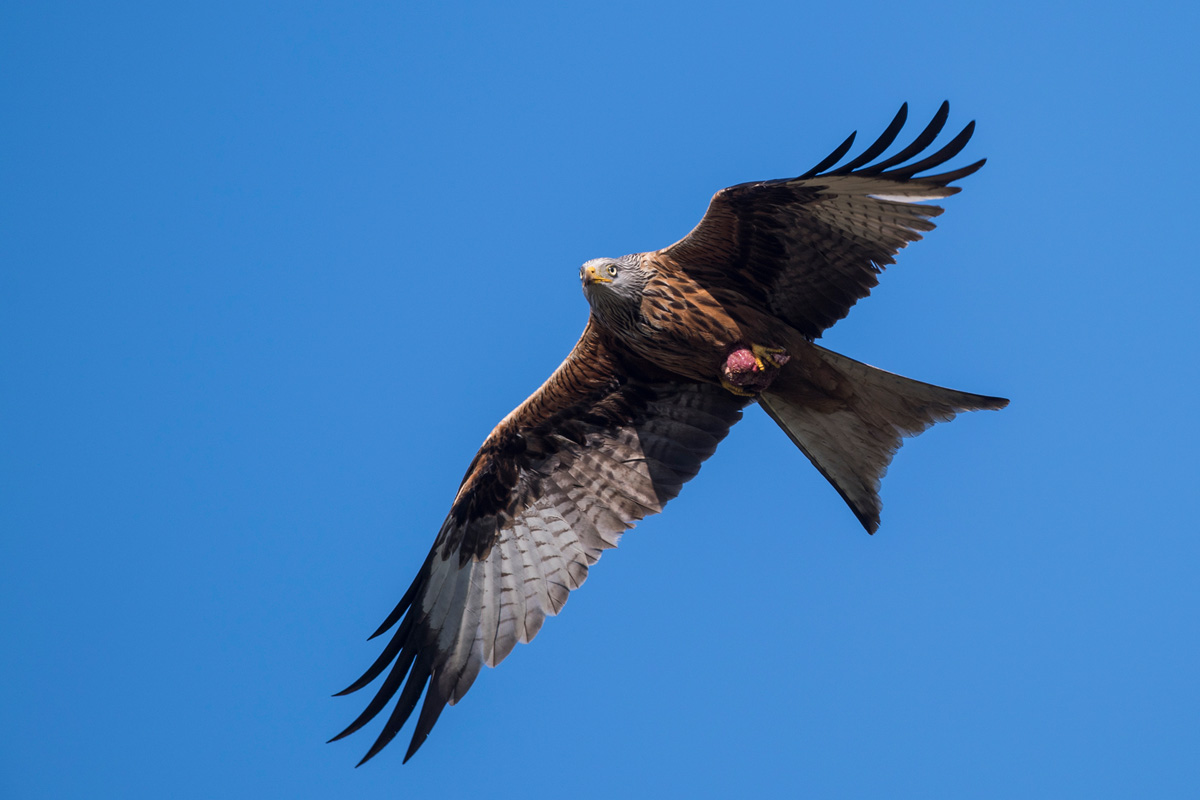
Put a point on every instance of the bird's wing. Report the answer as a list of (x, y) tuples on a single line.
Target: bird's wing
[(809, 248), (605, 441)]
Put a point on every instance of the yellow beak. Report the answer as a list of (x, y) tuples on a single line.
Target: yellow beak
[(592, 275)]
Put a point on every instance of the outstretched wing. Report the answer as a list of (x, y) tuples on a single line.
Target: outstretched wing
[(605, 441), (809, 248)]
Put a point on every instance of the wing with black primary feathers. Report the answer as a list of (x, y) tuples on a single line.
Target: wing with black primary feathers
[(606, 441), (808, 248)]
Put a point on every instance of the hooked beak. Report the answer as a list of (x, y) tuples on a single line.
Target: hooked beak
[(591, 275)]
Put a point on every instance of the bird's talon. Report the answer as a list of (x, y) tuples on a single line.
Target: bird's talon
[(739, 391), (775, 356)]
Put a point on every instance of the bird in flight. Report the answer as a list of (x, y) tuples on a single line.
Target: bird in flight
[(678, 342)]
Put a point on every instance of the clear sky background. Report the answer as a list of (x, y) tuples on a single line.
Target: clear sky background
[(269, 273)]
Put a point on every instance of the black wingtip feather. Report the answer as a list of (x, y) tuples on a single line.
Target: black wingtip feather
[(385, 658), (951, 149), (958, 174), (833, 157), (383, 628), (386, 691), (923, 140), (431, 709), (406, 600), (882, 143), (403, 710)]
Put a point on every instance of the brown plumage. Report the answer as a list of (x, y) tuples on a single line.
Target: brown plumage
[(678, 343)]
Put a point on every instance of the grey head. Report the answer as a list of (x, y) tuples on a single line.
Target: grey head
[(614, 286)]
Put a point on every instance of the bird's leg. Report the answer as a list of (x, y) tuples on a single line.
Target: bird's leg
[(748, 371)]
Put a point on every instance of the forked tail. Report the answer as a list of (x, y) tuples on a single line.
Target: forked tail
[(852, 428)]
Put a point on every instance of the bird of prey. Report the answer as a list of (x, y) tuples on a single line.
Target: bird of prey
[(677, 343)]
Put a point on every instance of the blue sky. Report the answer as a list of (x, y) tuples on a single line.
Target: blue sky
[(269, 273)]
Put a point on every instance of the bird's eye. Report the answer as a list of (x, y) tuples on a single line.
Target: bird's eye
[(612, 270)]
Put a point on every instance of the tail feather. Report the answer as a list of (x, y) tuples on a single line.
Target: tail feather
[(852, 440)]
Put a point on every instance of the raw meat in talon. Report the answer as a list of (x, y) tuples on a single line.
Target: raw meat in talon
[(740, 361), (747, 371)]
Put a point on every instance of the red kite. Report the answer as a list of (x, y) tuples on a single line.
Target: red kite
[(679, 341)]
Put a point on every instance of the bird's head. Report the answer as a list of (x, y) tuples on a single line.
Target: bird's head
[(611, 282)]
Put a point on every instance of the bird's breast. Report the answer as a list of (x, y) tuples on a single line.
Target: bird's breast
[(690, 331)]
